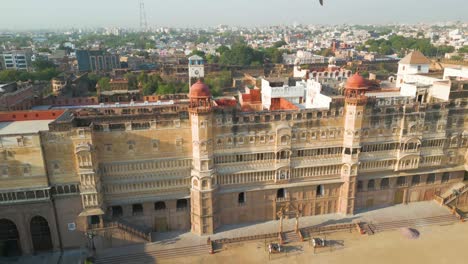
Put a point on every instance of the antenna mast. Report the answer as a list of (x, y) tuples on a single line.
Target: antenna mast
[(143, 22)]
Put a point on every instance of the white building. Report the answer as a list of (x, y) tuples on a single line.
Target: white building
[(305, 94), (15, 60), (461, 72), (414, 79), (413, 64), (331, 72), (302, 57)]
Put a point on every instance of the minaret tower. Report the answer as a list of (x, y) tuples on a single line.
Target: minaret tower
[(203, 180), (355, 103)]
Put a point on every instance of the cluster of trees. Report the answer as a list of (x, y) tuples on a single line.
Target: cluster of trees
[(140, 39), (154, 84), (218, 81), (43, 71), (151, 84), (463, 50), (401, 45), (242, 54)]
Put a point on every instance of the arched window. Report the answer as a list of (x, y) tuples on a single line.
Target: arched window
[(137, 209), (371, 185), (117, 211), (284, 140), (280, 193), (415, 180), (9, 239), (320, 190), (159, 205), (401, 181), (384, 183), (241, 198), (182, 204), (40, 234), (430, 178), (445, 177), (359, 186)]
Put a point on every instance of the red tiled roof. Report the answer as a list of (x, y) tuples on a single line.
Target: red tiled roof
[(30, 115), (282, 104), (226, 102)]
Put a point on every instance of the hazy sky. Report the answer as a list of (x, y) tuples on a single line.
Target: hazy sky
[(25, 14)]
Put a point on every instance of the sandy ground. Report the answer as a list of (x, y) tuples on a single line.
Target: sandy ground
[(436, 244)]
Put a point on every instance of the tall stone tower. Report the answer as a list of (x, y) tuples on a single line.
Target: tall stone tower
[(203, 181), (196, 69), (355, 102)]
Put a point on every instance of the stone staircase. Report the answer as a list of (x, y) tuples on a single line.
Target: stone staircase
[(123, 225), (153, 256), (140, 231), (456, 190), (419, 222), (291, 237)]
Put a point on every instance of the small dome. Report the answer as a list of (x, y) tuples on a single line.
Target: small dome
[(199, 89), (356, 82)]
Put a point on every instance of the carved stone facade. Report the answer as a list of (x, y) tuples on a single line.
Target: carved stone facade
[(197, 166)]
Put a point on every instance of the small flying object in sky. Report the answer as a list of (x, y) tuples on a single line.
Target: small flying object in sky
[(321, 2)]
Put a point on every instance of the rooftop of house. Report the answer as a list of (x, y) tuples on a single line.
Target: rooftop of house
[(24, 127), (415, 57)]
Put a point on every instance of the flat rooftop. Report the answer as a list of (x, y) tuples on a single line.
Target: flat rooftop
[(24, 127)]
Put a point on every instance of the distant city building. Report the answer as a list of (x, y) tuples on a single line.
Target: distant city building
[(15, 60), (18, 96), (57, 84), (96, 60), (118, 92), (302, 57)]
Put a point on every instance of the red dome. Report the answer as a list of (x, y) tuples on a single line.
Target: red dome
[(356, 82), (199, 89)]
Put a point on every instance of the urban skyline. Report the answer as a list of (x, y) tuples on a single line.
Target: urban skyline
[(204, 13)]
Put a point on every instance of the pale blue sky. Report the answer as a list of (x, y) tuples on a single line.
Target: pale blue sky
[(24, 14)]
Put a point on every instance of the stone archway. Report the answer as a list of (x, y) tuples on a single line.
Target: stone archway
[(9, 239), (40, 234)]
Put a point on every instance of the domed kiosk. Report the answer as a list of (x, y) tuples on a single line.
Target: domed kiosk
[(200, 96), (355, 89)]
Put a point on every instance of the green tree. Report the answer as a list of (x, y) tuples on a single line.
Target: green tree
[(132, 81), (456, 57), (104, 84), (218, 81), (327, 52), (199, 53), (240, 54), (43, 64), (463, 49), (212, 59), (280, 44)]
